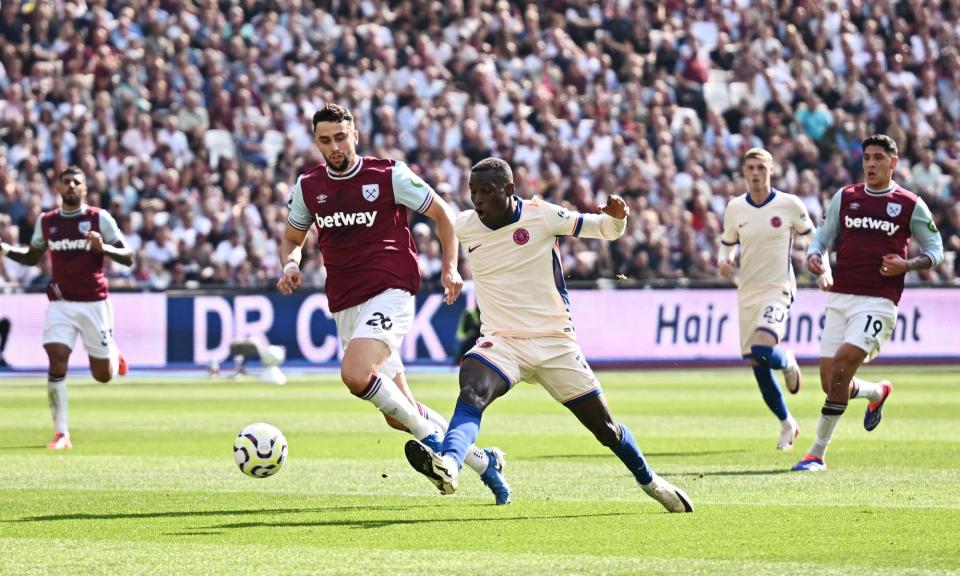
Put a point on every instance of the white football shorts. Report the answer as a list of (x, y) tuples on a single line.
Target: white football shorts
[(768, 314), (92, 320), (387, 317), (867, 322), (555, 363)]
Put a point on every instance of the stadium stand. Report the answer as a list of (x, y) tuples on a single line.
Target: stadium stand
[(192, 119)]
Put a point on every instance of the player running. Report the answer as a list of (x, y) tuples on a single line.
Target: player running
[(78, 237), (871, 223), (359, 208), (764, 222)]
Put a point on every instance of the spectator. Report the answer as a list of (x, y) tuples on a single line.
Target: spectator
[(584, 100)]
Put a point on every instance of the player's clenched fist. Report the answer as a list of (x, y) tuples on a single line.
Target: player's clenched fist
[(452, 285), (290, 281), (96, 241), (615, 207)]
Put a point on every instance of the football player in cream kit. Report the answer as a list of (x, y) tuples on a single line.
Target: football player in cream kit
[(527, 331), (764, 223)]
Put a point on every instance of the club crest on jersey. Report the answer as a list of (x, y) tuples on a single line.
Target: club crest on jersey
[(521, 236), (893, 210), (84, 227), (776, 221), (370, 192)]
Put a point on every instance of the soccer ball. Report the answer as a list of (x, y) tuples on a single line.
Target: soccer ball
[(260, 450)]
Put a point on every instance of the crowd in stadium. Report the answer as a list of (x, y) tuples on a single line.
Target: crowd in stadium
[(192, 120)]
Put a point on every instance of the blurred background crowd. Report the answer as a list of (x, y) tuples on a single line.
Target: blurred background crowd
[(192, 120)]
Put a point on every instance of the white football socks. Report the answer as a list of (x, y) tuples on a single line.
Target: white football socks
[(476, 459), (825, 427), (57, 398), (872, 391), (384, 394)]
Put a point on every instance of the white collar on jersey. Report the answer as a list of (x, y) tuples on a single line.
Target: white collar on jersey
[(83, 208), (880, 192), (348, 173)]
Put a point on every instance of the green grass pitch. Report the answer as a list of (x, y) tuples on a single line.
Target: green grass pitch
[(151, 487)]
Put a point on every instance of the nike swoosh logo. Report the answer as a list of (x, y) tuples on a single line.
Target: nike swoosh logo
[(472, 248), (741, 225)]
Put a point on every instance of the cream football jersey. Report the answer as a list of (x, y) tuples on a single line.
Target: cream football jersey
[(516, 269), (765, 233)]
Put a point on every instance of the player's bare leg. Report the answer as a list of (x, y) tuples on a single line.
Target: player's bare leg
[(360, 371), (58, 356), (595, 415), (102, 369), (836, 376), (766, 357)]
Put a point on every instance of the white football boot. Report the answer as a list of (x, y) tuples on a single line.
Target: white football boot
[(672, 498), (791, 373), (441, 470)]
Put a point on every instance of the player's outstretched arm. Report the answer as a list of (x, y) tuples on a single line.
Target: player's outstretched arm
[(290, 252), (610, 224), (440, 211), (26, 255), (616, 207), (118, 251)]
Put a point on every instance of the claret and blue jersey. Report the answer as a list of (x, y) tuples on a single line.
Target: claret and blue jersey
[(361, 221)]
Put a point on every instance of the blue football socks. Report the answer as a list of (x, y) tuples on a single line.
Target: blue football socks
[(463, 431), (629, 453), (767, 360)]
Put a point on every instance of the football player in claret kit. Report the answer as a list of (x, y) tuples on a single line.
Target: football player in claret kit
[(764, 222), (358, 205), (871, 224), (527, 331), (78, 237)]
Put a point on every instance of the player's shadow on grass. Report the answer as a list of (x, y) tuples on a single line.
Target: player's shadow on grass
[(25, 447), (769, 472), (370, 524), (192, 513), (606, 455)]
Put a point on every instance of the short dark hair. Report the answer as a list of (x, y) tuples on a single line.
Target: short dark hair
[(331, 113), (71, 170), (883, 141), (500, 168)]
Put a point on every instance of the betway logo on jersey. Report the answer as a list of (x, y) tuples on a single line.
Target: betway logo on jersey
[(69, 245), (338, 219), (870, 223)]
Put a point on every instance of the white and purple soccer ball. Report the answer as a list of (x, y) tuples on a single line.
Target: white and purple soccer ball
[(260, 450)]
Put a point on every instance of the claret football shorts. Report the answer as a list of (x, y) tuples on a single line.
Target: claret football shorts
[(867, 322), (92, 320)]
